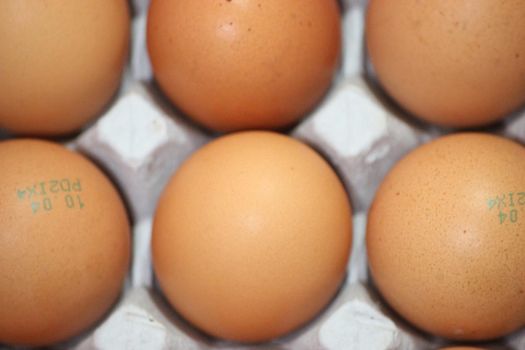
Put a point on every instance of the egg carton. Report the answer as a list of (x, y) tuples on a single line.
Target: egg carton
[(141, 140)]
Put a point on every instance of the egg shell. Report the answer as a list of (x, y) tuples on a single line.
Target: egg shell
[(60, 62), (449, 62), (237, 64), (446, 237), (64, 243), (252, 236)]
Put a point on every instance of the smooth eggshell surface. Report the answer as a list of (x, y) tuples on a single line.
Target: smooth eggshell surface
[(446, 237), (252, 236), (452, 63), (60, 62), (238, 64), (64, 243)]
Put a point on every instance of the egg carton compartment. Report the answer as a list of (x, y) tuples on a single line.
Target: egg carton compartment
[(141, 140)]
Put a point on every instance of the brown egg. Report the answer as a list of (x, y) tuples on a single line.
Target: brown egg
[(64, 243), (446, 237), (252, 236), (456, 63), (60, 62), (236, 64)]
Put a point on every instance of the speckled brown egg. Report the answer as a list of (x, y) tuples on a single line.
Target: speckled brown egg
[(64, 243), (251, 237), (458, 63), (244, 64), (446, 237), (60, 62)]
